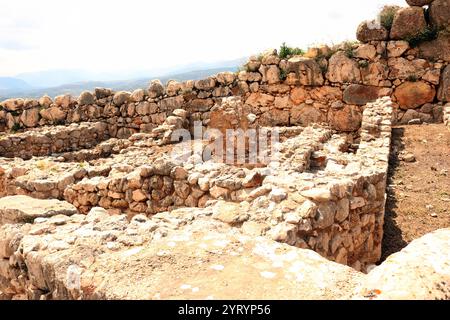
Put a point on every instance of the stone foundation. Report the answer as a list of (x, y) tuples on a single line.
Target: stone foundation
[(121, 207), (318, 192)]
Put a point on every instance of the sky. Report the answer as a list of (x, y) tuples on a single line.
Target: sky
[(117, 35)]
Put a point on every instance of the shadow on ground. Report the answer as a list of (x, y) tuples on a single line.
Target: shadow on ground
[(392, 240)]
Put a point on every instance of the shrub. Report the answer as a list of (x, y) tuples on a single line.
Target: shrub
[(363, 63), (347, 47), (15, 127), (412, 78), (386, 15), (283, 74), (286, 51), (427, 34), (241, 68), (323, 67)]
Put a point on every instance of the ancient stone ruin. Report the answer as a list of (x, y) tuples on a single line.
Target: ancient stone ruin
[(100, 191)]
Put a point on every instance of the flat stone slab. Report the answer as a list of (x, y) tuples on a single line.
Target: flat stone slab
[(24, 209), (186, 254)]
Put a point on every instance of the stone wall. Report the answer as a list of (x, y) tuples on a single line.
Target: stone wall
[(336, 96), (325, 85), (51, 140), (325, 190), (314, 195)]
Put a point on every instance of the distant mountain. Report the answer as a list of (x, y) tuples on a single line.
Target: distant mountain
[(55, 78), (56, 82), (8, 83), (129, 85)]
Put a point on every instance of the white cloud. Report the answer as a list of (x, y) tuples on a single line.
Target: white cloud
[(116, 35)]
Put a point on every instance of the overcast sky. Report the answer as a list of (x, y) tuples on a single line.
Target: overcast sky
[(114, 35)]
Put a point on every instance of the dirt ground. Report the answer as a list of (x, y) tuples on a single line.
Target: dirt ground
[(418, 190)]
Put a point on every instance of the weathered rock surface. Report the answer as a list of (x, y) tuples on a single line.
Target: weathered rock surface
[(360, 94), (346, 119), (419, 3), (440, 13), (444, 88), (371, 31), (306, 70), (408, 22), (211, 261), (420, 271), (24, 209), (342, 69), (414, 94), (86, 98), (436, 49)]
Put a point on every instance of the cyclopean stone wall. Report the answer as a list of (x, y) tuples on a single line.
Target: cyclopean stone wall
[(322, 87), (325, 85)]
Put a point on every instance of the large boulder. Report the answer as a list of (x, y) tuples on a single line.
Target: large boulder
[(155, 89), (360, 94), (375, 73), (270, 74), (307, 71), (419, 3), (440, 13), (86, 98), (371, 31), (366, 51), (205, 84), (226, 78), (121, 97), (407, 23), (397, 48), (420, 271), (305, 115), (138, 95), (401, 68), (436, 49), (346, 119), (64, 101), (444, 88), (30, 117), (53, 114), (326, 94), (24, 209), (45, 101), (13, 104), (342, 69), (101, 93), (411, 95)]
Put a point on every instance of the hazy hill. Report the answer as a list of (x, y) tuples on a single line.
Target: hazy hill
[(129, 85), (61, 77), (11, 84), (74, 82)]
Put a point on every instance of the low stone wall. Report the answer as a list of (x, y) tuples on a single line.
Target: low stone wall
[(50, 140), (315, 194), (337, 209)]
